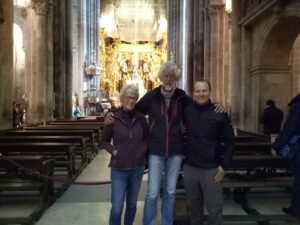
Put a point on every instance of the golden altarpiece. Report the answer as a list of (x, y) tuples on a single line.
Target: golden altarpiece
[(125, 63)]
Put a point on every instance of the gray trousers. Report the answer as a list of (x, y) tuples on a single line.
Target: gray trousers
[(201, 189)]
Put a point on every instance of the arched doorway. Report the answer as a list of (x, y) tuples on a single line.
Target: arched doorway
[(272, 64), (274, 72)]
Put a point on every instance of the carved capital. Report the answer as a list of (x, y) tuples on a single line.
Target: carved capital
[(41, 7), (212, 11), (24, 13)]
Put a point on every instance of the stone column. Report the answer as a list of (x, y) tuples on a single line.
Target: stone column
[(6, 65), (198, 70), (188, 44), (186, 39), (235, 63), (214, 52), (92, 62), (38, 110)]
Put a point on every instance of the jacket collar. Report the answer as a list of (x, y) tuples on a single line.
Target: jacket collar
[(177, 93), (118, 114), (206, 106)]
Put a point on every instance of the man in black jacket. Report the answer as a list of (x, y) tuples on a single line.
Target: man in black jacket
[(271, 118), (206, 160)]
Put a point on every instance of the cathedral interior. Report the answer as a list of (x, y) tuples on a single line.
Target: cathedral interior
[(59, 55), (56, 55)]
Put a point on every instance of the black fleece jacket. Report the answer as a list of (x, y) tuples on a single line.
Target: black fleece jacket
[(206, 130), (165, 124)]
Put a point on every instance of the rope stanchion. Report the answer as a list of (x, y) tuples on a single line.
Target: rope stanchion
[(58, 180), (34, 172)]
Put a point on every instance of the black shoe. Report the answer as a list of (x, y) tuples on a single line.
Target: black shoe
[(291, 212)]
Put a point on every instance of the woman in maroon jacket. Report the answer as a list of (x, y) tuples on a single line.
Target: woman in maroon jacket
[(128, 155)]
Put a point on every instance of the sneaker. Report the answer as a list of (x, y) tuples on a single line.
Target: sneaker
[(291, 212)]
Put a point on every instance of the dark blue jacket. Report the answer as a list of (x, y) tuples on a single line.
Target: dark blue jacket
[(166, 127), (206, 130), (291, 126)]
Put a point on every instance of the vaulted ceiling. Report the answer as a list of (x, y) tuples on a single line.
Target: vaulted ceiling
[(134, 20)]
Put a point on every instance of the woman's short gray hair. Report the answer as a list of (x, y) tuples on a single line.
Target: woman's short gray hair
[(169, 67), (129, 89)]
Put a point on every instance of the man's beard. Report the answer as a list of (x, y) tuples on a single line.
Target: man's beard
[(168, 88)]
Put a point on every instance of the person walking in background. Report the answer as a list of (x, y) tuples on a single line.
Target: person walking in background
[(17, 115), (206, 160), (271, 118), (129, 133), (290, 129), (77, 112)]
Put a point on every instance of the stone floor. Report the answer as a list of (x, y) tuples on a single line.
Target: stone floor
[(90, 205)]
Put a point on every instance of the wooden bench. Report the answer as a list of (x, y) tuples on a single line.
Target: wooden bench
[(62, 153), (78, 122), (248, 173), (240, 192), (91, 145), (78, 141), (18, 183)]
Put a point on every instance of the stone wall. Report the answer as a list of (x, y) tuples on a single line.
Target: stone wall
[(6, 63), (265, 34)]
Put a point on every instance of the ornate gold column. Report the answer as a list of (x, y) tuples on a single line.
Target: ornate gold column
[(6, 65)]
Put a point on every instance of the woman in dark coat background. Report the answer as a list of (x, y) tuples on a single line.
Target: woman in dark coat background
[(291, 128)]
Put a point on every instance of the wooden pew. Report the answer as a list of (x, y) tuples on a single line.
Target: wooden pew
[(77, 122), (253, 167), (95, 130), (78, 141), (62, 153), (250, 148), (89, 136), (22, 184), (239, 183), (257, 136)]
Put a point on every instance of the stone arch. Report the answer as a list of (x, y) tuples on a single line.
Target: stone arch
[(271, 72), (272, 36), (279, 42)]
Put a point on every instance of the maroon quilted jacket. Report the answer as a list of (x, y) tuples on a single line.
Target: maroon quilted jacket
[(130, 140)]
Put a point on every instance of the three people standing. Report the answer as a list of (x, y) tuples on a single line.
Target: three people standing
[(166, 143)]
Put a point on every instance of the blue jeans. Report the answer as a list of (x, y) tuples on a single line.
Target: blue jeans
[(296, 185), (124, 183), (157, 164)]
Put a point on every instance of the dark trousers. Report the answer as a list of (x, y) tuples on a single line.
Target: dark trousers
[(296, 185), (201, 189)]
